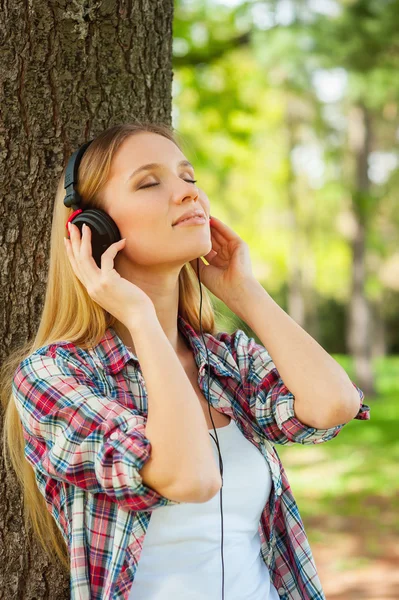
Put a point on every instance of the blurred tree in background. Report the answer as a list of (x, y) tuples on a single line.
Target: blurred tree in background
[(290, 112)]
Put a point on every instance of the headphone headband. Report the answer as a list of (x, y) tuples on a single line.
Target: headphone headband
[(72, 198)]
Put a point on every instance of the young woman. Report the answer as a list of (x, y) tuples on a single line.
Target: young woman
[(110, 422)]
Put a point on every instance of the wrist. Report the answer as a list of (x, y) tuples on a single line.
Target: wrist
[(246, 300), (142, 318)]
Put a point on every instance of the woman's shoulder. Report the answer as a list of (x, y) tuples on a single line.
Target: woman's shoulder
[(61, 353), (241, 345)]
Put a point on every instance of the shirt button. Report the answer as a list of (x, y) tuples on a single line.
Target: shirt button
[(256, 438), (114, 435)]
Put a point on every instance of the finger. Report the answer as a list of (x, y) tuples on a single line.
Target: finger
[(219, 235), (216, 246), (86, 251), (71, 257), (80, 265), (223, 229), (210, 256), (74, 236), (218, 238), (107, 257), (86, 248)]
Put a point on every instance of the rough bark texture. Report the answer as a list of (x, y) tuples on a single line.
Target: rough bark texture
[(68, 70)]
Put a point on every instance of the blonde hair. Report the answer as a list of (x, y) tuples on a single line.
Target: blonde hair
[(70, 314)]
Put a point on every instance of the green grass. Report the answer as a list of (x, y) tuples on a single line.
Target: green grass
[(353, 480)]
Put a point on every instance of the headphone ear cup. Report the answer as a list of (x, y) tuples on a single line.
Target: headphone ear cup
[(104, 231)]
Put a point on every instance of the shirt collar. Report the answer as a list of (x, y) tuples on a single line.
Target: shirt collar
[(114, 355)]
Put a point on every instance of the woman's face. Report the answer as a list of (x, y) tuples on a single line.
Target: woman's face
[(144, 215)]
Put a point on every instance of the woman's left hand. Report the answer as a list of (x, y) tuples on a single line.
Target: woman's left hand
[(230, 270)]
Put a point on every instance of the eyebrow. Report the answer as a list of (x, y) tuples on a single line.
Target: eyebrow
[(149, 166)]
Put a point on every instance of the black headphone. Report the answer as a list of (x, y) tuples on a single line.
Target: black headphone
[(105, 232)]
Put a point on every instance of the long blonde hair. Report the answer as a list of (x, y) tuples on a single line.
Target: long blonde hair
[(85, 324)]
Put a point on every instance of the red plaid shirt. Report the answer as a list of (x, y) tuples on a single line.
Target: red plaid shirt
[(84, 415)]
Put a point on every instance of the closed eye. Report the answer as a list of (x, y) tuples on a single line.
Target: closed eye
[(143, 187)]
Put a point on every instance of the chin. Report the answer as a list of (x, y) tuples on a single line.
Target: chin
[(206, 249)]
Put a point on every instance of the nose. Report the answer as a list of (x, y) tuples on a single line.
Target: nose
[(189, 191)]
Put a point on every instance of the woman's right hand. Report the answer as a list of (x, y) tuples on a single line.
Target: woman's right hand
[(121, 298)]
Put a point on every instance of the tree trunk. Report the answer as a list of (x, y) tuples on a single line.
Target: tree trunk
[(378, 337), (302, 299), (295, 299), (359, 323), (68, 71)]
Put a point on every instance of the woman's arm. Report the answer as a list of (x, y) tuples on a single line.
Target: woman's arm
[(182, 451), (324, 394)]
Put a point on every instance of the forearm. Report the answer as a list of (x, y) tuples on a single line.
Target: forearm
[(176, 425), (324, 394)]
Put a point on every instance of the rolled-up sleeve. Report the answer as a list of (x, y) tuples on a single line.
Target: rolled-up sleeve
[(77, 435), (265, 397)]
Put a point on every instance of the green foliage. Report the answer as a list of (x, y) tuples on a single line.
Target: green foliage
[(363, 37), (290, 168), (248, 107), (356, 472)]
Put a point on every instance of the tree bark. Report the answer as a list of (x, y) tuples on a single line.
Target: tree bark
[(68, 71)]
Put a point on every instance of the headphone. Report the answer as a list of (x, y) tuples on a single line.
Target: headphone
[(105, 232)]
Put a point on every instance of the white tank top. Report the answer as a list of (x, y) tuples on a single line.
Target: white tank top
[(181, 555)]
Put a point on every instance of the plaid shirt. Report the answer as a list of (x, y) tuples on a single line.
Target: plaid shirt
[(84, 414)]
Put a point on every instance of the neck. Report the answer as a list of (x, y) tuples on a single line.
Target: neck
[(174, 336)]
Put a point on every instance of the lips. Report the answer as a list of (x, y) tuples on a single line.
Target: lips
[(197, 220), (189, 214)]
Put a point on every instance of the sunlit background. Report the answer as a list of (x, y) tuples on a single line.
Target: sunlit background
[(289, 113)]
